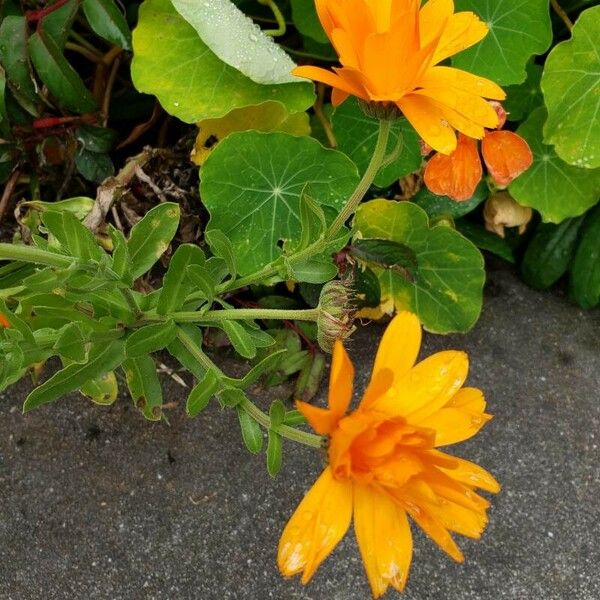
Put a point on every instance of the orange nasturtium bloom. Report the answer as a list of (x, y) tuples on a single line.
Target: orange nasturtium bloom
[(390, 52), (4, 322), (384, 462)]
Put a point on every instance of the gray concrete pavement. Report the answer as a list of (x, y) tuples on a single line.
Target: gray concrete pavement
[(96, 503)]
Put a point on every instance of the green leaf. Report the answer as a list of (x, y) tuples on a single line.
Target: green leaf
[(80, 206), (265, 365), (517, 31), (57, 24), (255, 202), (14, 57), (366, 287), (251, 431), (551, 186), (447, 291), (277, 413), (356, 136), (240, 339), (16, 323), (237, 41), (274, 453), (201, 393), (120, 255), (108, 22), (144, 386), (95, 139), (150, 338), (486, 240), (585, 269), (179, 351), (221, 247), (312, 220), (307, 22), (549, 253), (59, 76), (571, 84), (312, 270), (94, 166), (387, 254), (231, 397), (172, 62), (523, 99), (203, 280), (103, 357), (73, 236), (71, 344), (443, 206), (176, 284), (102, 390), (150, 237)]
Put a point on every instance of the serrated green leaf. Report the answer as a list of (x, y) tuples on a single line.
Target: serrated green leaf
[(14, 57), (585, 270), (251, 431), (549, 253), (150, 237), (202, 393), (274, 453), (150, 338), (176, 284), (103, 357), (356, 136), (571, 84), (551, 186), (221, 247), (167, 50), (144, 386), (59, 76), (447, 290), (516, 33), (255, 203), (108, 22)]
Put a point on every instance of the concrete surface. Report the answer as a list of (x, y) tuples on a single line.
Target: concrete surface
[(96, 503)]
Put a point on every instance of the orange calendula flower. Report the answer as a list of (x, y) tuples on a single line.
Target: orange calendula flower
[(390, 52), (506, 156), (385, 465), (4, 322)]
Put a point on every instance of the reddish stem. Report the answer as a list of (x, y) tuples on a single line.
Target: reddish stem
[(33, 16)]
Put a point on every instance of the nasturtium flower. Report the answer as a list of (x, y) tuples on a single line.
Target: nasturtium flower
[(390, 52), (4, 322), (385, 464), (505, 154)]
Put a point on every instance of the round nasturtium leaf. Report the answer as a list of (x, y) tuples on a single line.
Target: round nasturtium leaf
[(251, 185), (237, 40), (571, 86), (551, 186), (356, 135), (447, 289), (518, 30), (191, 82)]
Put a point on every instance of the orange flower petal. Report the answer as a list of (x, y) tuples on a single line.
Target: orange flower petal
[(460, 419), (318, 524), (384, 539), (433, 19), (426, 387), (506, 156), (463, 30), (4, 322), (457, 175), (469, 473), (341, 380), (462, 80), (329, 78), (322, 420), (429, 121)]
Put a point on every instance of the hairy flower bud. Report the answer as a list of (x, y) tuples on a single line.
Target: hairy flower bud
[(336, 314)]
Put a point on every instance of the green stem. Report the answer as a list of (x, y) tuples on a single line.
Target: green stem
[(31, 254), (236, 314), (281, 24), (131, 301), (302, 437), (320, 245)]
